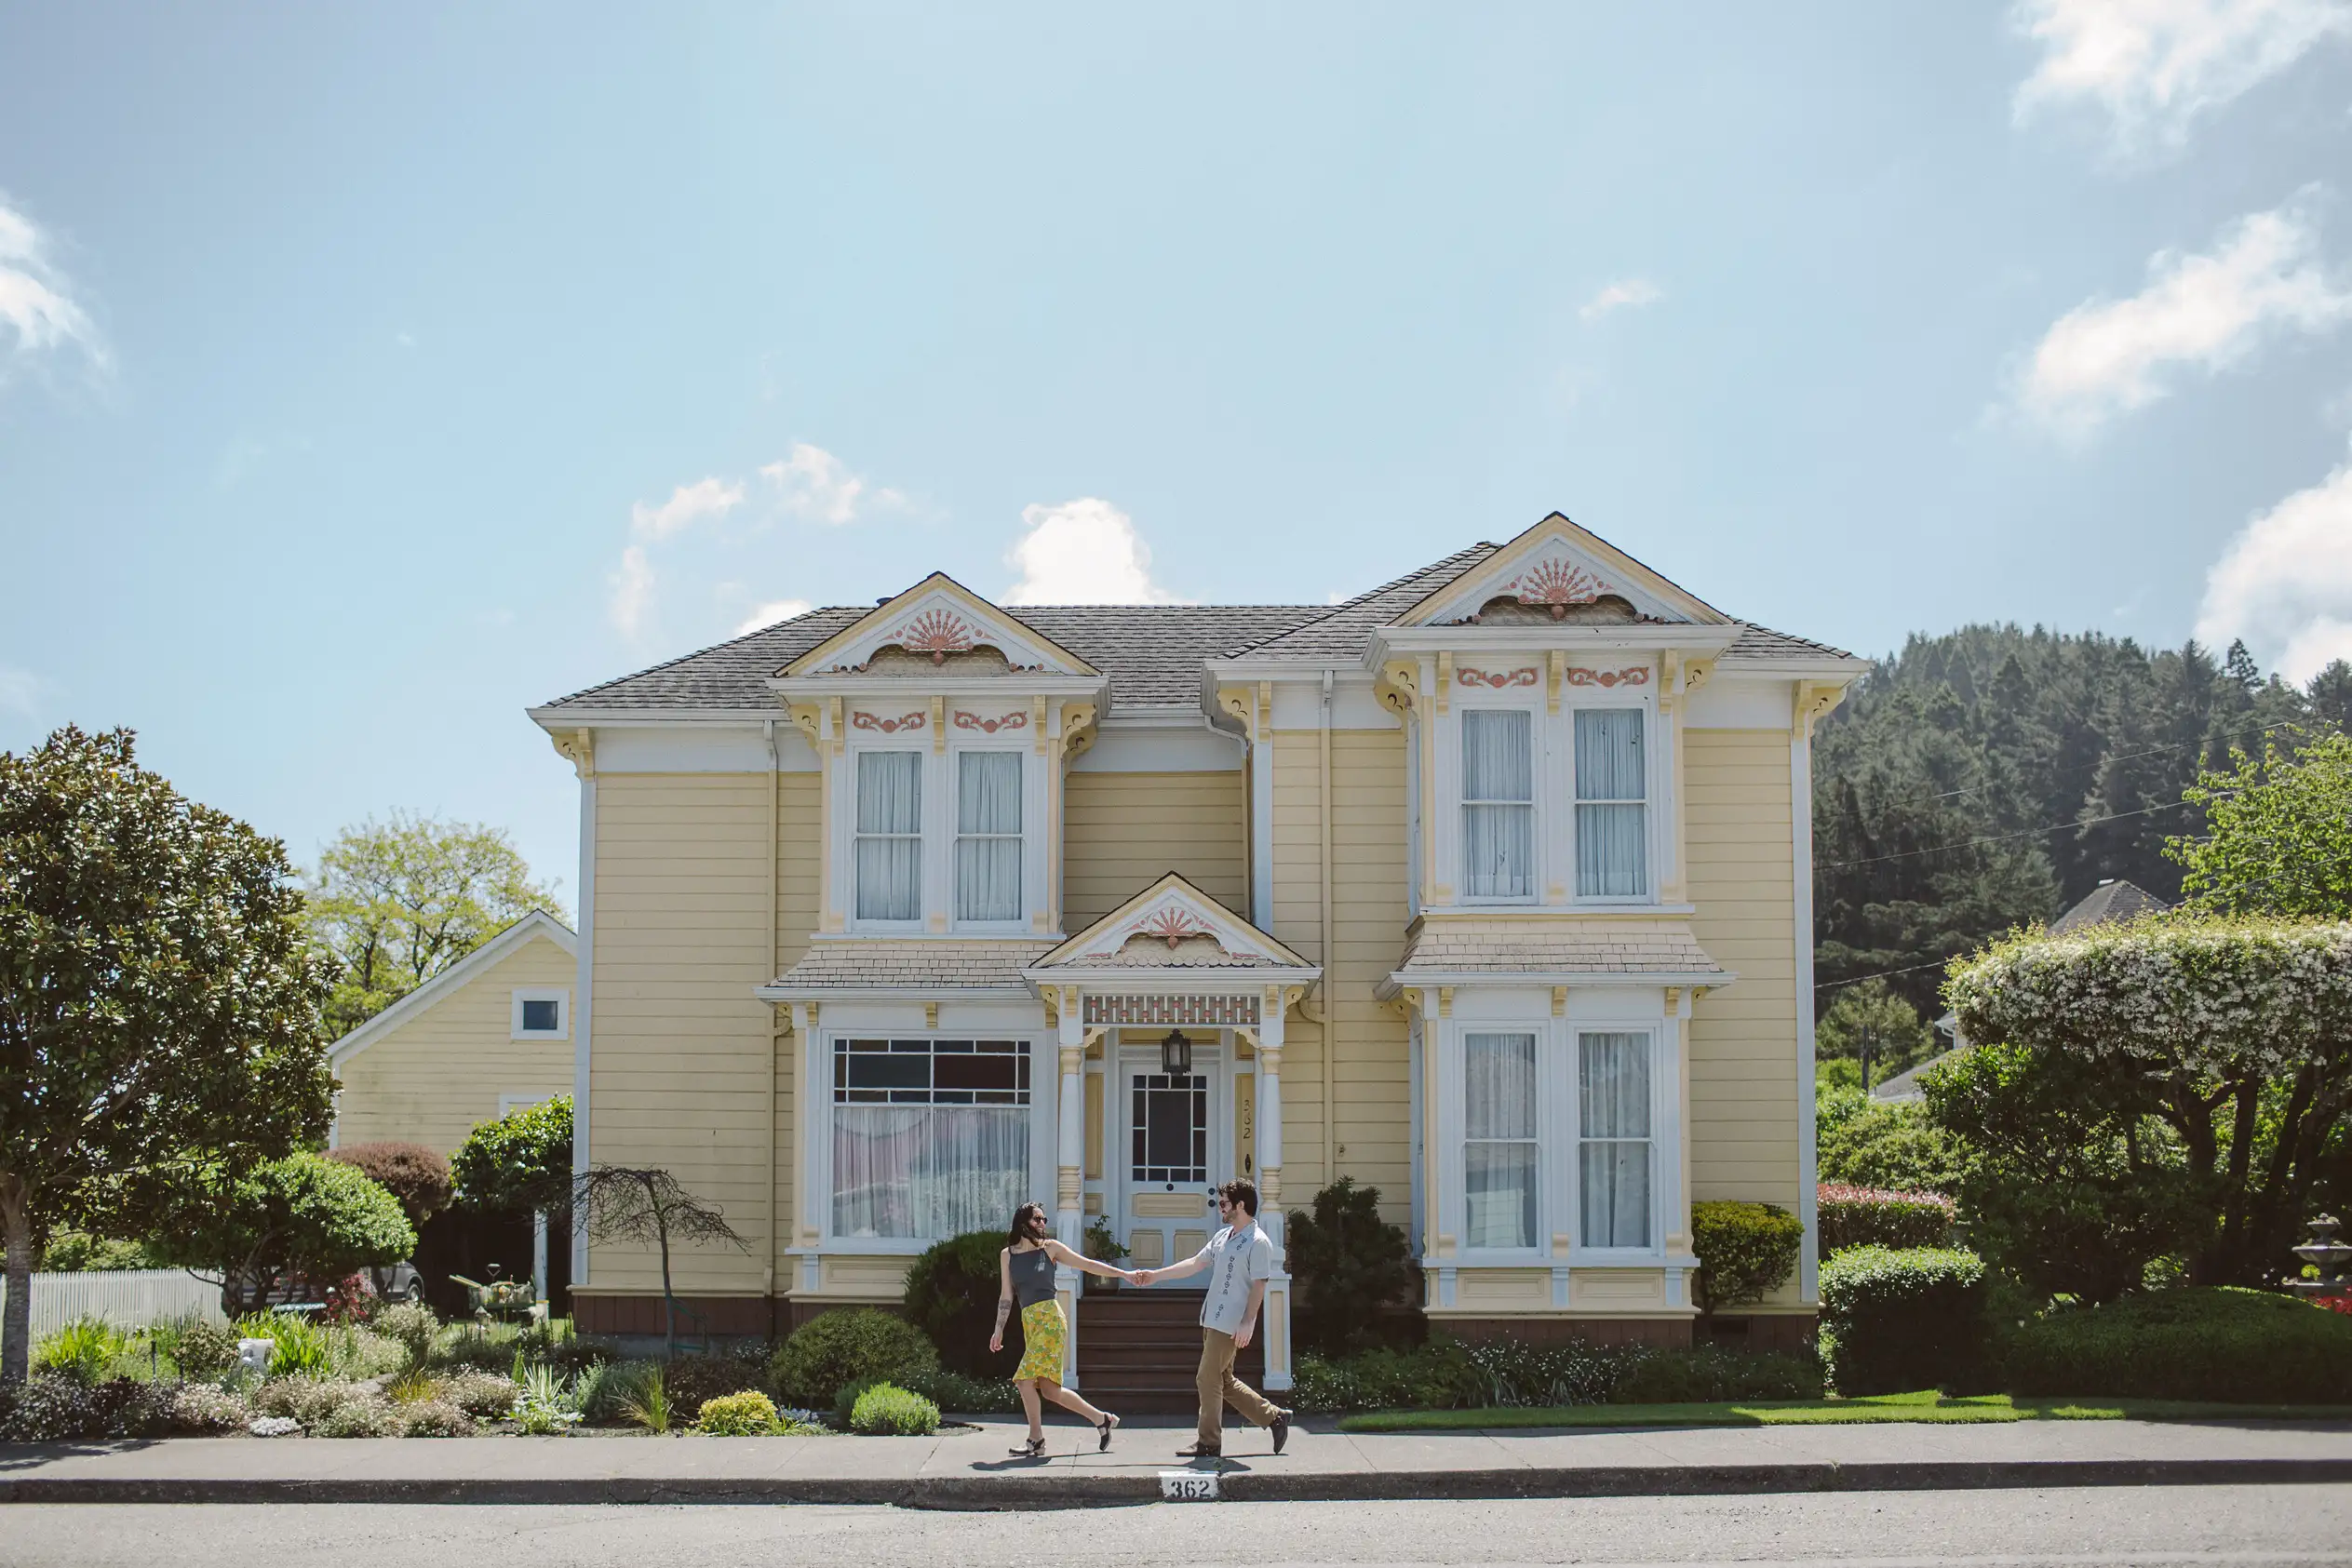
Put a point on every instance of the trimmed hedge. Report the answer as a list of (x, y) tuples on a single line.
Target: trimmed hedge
[(1871, 1217), (857, 1344), (2214, 1342), (1745, 1251), (1897, 1320), (1447, 1374)]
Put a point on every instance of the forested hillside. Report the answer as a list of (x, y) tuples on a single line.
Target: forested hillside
[(1993, 775)]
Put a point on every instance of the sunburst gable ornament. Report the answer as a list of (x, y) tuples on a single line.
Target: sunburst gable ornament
[(1555, 585), (936, 632), (1171, 925)]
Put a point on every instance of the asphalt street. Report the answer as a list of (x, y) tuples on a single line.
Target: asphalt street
[(2089, 1526)]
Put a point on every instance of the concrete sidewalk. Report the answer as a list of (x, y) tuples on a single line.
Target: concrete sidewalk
[(968, 1466)]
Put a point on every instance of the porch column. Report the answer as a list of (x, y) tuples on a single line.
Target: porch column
[(1069, 1156), (1269, 1184)]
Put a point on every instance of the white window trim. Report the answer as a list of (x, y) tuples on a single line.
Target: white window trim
[(817, 1084), (560, 995), (937, 859), (1545, 1158), (1019, 922), (927, 796), (1538, 743), (1653, 1037), (1554, 768)]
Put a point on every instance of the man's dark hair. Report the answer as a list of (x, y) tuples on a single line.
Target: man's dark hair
[(1243, 1192)]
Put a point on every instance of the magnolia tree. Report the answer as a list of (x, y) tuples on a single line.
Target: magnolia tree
[(159, 1009), (305, 1222), (2168, 1086)]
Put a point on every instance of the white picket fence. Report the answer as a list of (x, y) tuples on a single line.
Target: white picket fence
[(129, 1299)]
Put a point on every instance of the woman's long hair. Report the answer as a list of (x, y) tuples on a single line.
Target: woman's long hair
[(1025, 1218)]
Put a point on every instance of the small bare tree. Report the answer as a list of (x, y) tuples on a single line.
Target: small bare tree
[(647, 1204)]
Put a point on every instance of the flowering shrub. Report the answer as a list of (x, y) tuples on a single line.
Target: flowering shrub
[(50, 1408), (200, 1407), (435, 1418), (369, 1417), (1864, 1216), (275, 1426), (480, 1393)]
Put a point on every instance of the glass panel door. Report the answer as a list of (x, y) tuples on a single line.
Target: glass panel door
[(1170, 1148)]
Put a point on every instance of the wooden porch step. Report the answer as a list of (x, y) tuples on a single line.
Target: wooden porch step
[(1138, 1351)]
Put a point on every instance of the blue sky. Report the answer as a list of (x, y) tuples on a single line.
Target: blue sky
[(367, 377)]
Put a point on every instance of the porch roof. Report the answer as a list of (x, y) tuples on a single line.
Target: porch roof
[(1556, 952), (964, 969)]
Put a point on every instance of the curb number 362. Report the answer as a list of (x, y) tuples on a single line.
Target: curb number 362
[(1187, 1486)]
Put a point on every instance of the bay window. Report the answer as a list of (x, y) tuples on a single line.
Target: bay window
[(1499, 804), (989, 836), (931, 1137), (1614, 1154), (888, 853), (1499, 1140), (1612, 828)]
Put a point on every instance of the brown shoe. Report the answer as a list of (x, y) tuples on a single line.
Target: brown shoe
[(1198, 1452)]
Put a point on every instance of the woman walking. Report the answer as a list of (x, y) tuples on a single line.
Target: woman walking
[(1026, 1269)]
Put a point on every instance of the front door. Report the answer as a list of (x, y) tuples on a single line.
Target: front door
[(1172, 1146)]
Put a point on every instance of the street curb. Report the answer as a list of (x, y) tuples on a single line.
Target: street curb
[(1007, 1492)]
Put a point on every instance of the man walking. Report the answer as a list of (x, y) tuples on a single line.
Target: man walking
[(1240, 1259)]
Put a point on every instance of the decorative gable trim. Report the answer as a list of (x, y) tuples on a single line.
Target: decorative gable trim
[(937, 619), (1180, 917), (1559, 570)]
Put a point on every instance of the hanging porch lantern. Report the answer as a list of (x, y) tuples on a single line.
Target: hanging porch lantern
[(1175, 1054)]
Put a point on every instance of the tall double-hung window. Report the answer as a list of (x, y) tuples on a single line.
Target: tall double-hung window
[(931, 1137), (989, 836), (1498, 803), (888, 849), (1612, 814), (1499, 1140), (1616, 1164)]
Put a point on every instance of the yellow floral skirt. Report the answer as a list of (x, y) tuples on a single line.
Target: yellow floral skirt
[(1042, 1327)]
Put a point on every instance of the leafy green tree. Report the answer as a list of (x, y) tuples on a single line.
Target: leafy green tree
[(396, 903), (1870, 1143), (303, 1219), (519, 1163), (2281, 839), (1869, 1017), (2109, 1049), (418, 1176), (159, 1009)]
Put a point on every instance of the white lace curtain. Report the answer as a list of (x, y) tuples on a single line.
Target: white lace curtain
[(924, 1172), (1611, 833), (989, 836), (888, 848), (1613, 1164), (1499, 1140), (1498, 813)]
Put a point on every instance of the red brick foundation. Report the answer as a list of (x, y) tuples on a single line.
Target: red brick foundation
[(730, 1315), (1561, 1331)]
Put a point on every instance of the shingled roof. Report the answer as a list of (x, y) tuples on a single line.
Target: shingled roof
[(1152, 653)]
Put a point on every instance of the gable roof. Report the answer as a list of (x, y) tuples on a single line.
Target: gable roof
[(2111, 903), (1199, 932), (1151, 654), (504, 945), (1557, 564), (938, 616)]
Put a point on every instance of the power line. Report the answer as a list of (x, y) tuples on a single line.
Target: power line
[(2004, 837)]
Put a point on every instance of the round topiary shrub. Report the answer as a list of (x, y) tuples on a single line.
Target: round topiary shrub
[(952, 1295), (747, 1414), (1868, 1216), (886, 1409), (1745, 1251), (846, 1346), (2201, 1343), (1895, 1320)]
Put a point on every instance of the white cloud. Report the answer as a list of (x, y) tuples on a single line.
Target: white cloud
[(812, 484), (2285, 582), (1626, 294), (686, 505), (18, 690), (632, 591), (770, 613), (1083, 551), (2154, 65), (38, 314), (2105, 356)]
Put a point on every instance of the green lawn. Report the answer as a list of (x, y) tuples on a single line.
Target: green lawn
[(1930, 1407)]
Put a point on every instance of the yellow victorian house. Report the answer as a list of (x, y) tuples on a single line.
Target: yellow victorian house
[(1490, 888)]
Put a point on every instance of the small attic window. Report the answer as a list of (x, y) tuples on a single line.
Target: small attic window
[(541, 1015)]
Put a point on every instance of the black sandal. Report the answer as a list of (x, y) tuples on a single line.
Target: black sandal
[(1033, 1449), (1106, 1426)]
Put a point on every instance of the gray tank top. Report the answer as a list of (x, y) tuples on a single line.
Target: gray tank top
[(1032, 1277)]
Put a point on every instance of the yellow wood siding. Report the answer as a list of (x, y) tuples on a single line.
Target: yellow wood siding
[(799, 902), (1371, 1137), (1121, 832), (433, 1078), (1743, 1075), (680, 1049)]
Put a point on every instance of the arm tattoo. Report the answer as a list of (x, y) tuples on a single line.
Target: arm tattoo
[(1003, 1311)]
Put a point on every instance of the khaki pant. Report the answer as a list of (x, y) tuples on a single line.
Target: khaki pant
[(1220, 1387)]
